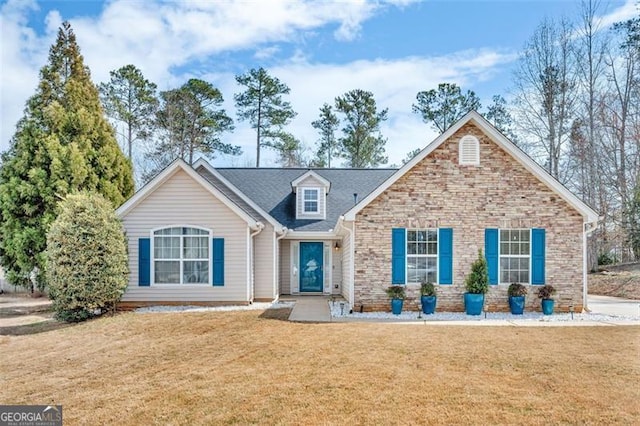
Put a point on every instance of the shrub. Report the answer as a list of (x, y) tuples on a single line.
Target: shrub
[(546, 291), (607, 259), (427, 289), (517, 289), (477, 281), (87, 268), (396, 292)]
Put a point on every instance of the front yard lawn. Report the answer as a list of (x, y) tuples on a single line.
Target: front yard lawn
[(243, 367)]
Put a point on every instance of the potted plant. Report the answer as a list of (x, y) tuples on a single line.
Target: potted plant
[(477, 284), (428, 297), (545, 292), (397, 295), (517, 293)]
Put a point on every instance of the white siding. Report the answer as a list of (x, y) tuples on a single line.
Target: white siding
[(183, 201), (264, 273), (336, 273), (285, 267), (347, 261), (311, 182)]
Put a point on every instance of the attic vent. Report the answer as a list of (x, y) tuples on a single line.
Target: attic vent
[(469, 151)]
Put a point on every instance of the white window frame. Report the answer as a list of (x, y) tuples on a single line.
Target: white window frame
[(436, 256), (317, 201), (471, 142), (519, 256), (181, 260)]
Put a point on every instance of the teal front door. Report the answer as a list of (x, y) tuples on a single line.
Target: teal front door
[(311, 276)]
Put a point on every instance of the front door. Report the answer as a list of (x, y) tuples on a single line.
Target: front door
[(311, 277)]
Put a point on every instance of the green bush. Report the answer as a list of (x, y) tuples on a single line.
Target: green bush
[(606, 259), (87, 267), (477, 282), (396, 292)]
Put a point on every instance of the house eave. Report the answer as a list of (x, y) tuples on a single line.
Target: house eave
[(311, 235)]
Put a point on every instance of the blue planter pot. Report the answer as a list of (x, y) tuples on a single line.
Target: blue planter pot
[(547, 306), (516, 305), (396, 306), (473, 303), (428, 304)]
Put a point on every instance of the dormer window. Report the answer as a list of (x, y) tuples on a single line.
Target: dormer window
[(311, 197), (311, 191)]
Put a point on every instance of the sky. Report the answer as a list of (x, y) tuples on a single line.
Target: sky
[(320, 49)]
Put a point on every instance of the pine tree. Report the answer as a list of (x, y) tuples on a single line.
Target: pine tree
[(130, 99), (445, 106), (62, 144), (190, 122), (362, 144), (262, 105), (326, 124)]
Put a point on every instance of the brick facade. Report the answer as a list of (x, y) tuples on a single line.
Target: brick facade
[(438, 192)]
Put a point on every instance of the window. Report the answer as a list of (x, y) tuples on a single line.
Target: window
[(469, 151), (422, 255), (515, 253), (181, 256), (310, 200)]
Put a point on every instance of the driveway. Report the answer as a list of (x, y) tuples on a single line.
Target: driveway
[(617, 306)]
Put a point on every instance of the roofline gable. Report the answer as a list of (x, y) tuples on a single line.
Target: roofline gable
[(204, 163), (165, 175), (527, 162), (310, 173)]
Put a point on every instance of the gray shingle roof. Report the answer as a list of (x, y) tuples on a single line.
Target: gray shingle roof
[(271, 190), (220, 186)]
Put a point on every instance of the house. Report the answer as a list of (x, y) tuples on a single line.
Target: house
[(237, 235)]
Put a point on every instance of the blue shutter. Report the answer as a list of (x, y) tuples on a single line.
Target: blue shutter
[(144, 262), (491, 242), (398, 255), (445, 255), (217, 261), (537, 256)]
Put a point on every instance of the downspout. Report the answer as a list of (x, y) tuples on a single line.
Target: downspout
[(589, 227), (352, 267), (260, 226), (276, 266)]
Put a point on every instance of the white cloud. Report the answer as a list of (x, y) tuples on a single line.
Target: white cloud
[(393, 83), (157, 36), (162, 37), (630, 9)]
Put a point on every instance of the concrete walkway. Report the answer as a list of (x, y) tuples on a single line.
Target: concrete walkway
[(310, 309), (617, 306)]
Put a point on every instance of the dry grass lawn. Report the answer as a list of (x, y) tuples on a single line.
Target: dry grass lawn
[(242, 367)]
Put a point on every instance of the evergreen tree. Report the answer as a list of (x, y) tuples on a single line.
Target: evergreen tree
[(498, 114), (190, 121), (290, 151), (362, 144), (62, 144), (326, 124), (87, 266), (130, 99), (444, 106), (262, 105)]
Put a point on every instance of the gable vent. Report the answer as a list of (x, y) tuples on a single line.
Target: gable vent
[(469, 151)]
